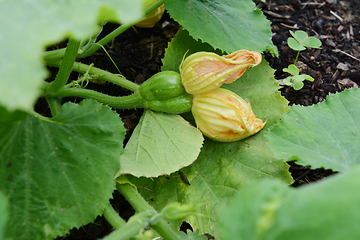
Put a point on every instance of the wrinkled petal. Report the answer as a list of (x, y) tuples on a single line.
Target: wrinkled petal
[(205, 71), (224, 116)]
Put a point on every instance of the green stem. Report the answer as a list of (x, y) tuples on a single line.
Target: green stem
[(54, 104), (41, 117), (94, 47), (126, 102), (100, 74), (85, 77), (54, 54), (90, 48), (140, 205), (134, 198), (154, 6), (113, 217), (162, 228), (66, 66), (58, 54), (297, 56), (116, 32), (135, 224)]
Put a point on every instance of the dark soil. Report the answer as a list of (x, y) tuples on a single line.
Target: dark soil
[(334, 67)]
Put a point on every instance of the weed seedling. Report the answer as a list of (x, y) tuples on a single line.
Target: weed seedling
[(295, 80), (299, 42)]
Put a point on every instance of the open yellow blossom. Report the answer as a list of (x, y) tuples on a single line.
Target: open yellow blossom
[(205, 71), (224, 116)]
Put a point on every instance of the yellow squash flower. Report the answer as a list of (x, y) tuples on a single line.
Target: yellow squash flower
[(205, 71), (152, 18), (224, 116)]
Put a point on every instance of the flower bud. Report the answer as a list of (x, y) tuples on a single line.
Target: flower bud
[(224, 116), (205, 71), (152, 18)]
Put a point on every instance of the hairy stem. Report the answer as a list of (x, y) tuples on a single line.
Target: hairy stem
[(54, 104), (100, 74), (135, 224), (116, 32), (94, 47), (90, 47), (126, 102), (58, 54), (113, 217), (66, 66), (140, 205)]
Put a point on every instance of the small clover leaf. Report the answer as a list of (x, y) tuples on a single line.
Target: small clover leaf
[(295, 80), (301, 40), (292, 69)]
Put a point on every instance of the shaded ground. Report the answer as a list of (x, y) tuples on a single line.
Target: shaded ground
[(335, 67)]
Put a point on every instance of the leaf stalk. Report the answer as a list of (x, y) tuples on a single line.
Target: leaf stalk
[(126, 102), (113, 217), (66, 66), (100, 74), (140, 205)]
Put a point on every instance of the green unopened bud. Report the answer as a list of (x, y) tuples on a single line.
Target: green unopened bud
[(176, 105), (176, 211), (164, 92), (224, 116), (205, 71)]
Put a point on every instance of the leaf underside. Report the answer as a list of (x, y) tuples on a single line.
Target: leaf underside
[(323, 135), (160, 145)]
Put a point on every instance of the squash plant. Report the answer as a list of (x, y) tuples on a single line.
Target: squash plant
[(59, 172)]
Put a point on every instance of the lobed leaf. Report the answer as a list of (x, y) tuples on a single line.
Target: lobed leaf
[(270, 209), (297, 85), (292, 69), (160, 145), (229, 25), (295, 45), (35, 24), (58, 173), (222, 168), (301, 40), (312, 42), (323, 135)]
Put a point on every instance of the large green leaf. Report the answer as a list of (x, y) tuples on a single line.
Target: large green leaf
[(27, 27), (214, 177), (180, 46), (222, 168), (323, 135), (58, 173), (4, 214), (270, 209), (229, 25), (161, 144)]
